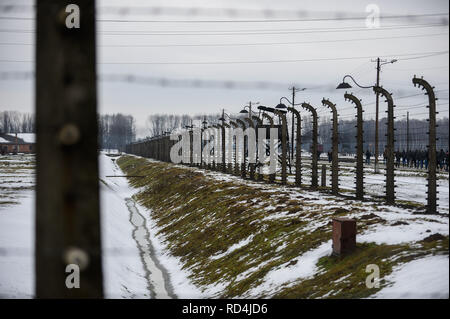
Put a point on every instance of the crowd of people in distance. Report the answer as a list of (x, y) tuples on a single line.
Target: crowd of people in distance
[(419, 159)]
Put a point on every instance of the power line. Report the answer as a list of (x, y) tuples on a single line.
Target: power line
[(428, 54), (418, 57), (248, 44), (336, 18), (230, 11), (270, 32), (167, 82), (406, 96), (246, 32)]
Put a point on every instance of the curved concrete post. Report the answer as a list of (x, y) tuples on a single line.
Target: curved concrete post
[(210, 165), (283, 146), (390, 161), (226, 156), (244, 162), (216, 146), (222, 165), (298, 147), (213, 134), (201, 147), (251, 165), (334, 148), (314, 164), (359, 145), (432, 161), (191, 147), (258, 156), (270, 119), (236, 167)]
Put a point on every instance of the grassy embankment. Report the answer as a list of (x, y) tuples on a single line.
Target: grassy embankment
[(201, 217)]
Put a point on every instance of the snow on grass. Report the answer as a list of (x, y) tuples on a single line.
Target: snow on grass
[(301, 267), (422, 278), (409, 228), (238, 245), (395, 224)]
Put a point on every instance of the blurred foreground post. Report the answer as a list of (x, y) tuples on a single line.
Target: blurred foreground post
[(67, 199)]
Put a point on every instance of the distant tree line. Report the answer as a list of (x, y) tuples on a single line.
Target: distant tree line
[(116, 130), (16, 122), (159, 123)]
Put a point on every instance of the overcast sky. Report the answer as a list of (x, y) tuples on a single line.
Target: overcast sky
[(418, 44)]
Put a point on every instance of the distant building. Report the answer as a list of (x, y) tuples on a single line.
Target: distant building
[(17, 143)]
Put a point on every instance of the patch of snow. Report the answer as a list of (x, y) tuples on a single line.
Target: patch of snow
[(17, 248), (417, 227), (304, 268), (27, 137), (124, 275), (232, 248), (427, 277)]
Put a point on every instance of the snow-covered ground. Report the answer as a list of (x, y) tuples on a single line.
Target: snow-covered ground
[(131, 265), (123, 271), (422, 278), (411, 184), (16, 226), (410, 228), (136, 262)]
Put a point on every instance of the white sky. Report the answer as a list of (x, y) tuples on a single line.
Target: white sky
[(320, 77)]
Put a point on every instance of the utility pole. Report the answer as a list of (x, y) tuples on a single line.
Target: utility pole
[(68, 260), (250, 104)]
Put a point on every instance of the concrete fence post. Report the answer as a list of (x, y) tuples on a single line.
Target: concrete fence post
[(359, 145), (390, 158), (283, 146), (432, 192), (258, 156), (235, 150), (324, 175), (314, 164), (298, 147), (334, 148), (270, 119), (251, 165), (244, 159)]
